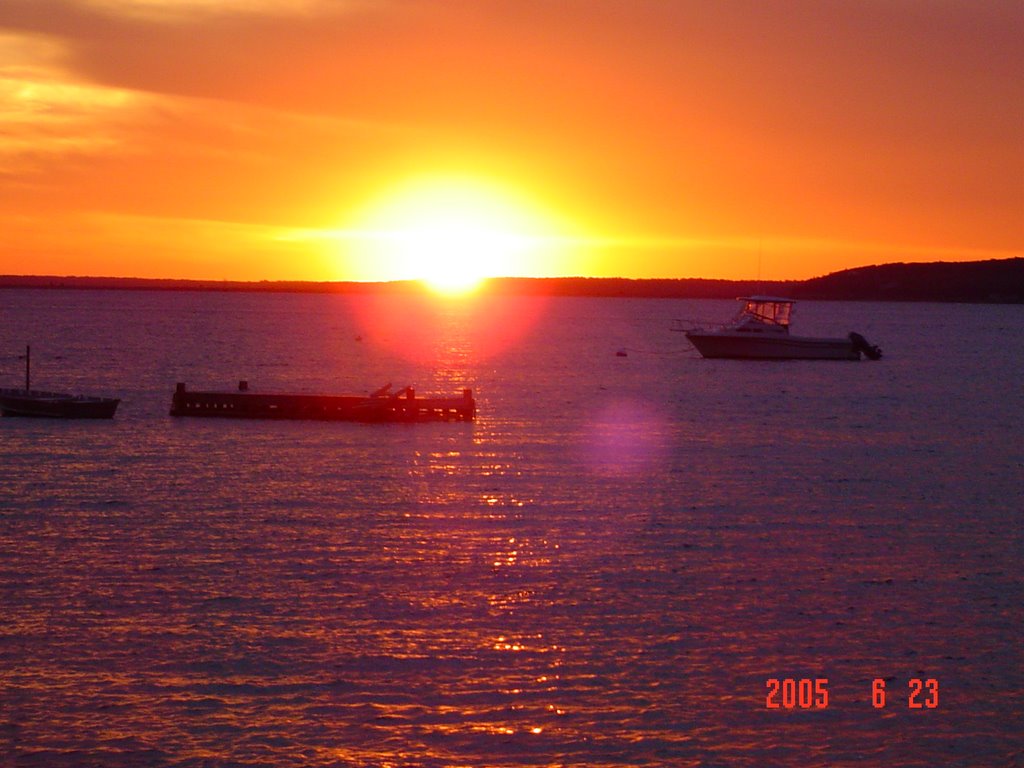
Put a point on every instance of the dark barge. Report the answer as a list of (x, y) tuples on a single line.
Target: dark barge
[(380, 406)]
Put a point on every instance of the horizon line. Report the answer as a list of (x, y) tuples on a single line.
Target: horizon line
[(487, 280)]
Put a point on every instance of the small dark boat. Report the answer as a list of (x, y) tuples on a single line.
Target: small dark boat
[(53, 405)]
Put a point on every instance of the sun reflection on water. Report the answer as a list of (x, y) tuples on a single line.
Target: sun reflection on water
[(446, 333)]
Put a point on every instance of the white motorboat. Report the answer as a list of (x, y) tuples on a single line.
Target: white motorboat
[(761, 332)]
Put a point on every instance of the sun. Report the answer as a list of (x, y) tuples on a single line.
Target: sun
[(453, 233), (453, 250)]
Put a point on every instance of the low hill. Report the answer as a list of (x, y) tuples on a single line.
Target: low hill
[(1000, 281)]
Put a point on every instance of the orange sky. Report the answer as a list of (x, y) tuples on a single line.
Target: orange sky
[(310, 139)]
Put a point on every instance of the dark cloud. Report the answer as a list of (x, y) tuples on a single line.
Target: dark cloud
[(826, 65)]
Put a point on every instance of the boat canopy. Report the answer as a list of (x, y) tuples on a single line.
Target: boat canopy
[(773, 310)]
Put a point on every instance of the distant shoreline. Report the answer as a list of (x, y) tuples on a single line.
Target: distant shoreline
[(996, 281)]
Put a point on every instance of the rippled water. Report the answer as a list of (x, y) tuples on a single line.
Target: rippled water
[(603, 570)]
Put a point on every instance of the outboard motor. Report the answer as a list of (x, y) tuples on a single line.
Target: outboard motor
[(861, 346)]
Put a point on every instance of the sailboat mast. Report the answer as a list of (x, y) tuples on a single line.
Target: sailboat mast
[(28, 365)]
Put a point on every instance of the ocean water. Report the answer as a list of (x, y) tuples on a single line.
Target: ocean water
[(606, 569)]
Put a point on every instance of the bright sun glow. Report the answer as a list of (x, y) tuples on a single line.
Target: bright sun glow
[(453, 233), (454, 251)]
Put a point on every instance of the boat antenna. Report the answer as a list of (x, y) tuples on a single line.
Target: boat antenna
[(760, 251), (28, 365)]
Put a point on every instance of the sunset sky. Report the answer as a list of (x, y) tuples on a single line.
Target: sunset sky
[(388, 139)]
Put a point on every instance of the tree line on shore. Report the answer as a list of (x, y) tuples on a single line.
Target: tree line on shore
[(993, 281)]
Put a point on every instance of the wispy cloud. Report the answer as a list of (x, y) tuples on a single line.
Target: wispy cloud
[(45, 113), (217, 249), (163, 11)]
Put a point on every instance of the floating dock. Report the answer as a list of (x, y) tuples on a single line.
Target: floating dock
[(380, 406)]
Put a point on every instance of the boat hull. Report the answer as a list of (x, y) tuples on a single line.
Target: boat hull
[(748, 346), (55, 405)]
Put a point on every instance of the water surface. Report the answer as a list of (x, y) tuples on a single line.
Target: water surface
[(603, 570)]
